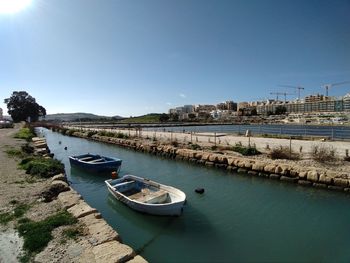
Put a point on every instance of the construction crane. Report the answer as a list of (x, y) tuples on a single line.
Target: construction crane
[(281, 93), (328, 86), (294, 87)]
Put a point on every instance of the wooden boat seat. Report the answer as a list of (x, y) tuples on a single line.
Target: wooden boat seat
[(96, 161), (86, 158), (147, 196), (123, 183)]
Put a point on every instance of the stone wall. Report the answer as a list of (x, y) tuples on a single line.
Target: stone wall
[(326, 179), (100, 243)]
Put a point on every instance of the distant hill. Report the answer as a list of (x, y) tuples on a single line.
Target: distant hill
[(78, 116), (148, 118)]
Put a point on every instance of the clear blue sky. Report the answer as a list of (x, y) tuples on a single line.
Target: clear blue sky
[(128, 57)]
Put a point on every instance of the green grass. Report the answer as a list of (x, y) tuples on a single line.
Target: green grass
[(149, 118), (16, 153), (39, 166), (18, 212), (25, 133), (72, 232), (37, 235), (6, 217)]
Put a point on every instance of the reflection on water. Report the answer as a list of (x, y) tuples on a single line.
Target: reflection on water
[(238, 218)]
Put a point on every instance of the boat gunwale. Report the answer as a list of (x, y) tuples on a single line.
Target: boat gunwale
[(182, 195)]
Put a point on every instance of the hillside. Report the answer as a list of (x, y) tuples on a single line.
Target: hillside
[(78, 116)]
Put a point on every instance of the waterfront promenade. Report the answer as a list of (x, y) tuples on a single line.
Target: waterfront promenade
[(263, 144)]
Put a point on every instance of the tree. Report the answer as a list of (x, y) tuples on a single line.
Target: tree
[(174, 116), (22, 106), (191, 116), (163, 117)]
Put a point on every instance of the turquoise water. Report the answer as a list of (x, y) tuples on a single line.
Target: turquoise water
[(237, 219)]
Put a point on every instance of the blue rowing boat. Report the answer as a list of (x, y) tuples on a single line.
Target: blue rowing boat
[(95, 162)]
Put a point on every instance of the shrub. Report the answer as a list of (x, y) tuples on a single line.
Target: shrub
[(195, 147), (121, 135), (174, 143), (27, 149), (91, 133), (25, 133), (70, 132), (63, 131), (283, 153), (323, 153), (247, 151), (41, 166)]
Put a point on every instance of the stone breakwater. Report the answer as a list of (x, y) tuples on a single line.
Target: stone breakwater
[(100, 242), (310, 176)]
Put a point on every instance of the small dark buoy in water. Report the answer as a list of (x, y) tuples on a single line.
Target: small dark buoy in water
[(59, 142), (199, 190), (65, 148)]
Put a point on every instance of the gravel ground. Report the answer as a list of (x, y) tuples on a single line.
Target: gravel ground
[(17, 186)]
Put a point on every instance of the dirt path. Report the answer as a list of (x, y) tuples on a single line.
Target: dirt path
[(16, 187)]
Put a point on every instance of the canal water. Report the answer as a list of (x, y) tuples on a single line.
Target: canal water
[(238, 218)]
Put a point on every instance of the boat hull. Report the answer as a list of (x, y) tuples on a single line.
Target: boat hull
[(164, 209), (111, 164)]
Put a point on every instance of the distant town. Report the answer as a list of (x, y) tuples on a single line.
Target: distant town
[(314, 109), (311, 109)]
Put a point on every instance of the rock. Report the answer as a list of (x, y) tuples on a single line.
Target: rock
[(222, 159), (318, 185), (253, 173), (278, 169), (230, 161), (263, 174), (325, 179), (53, 190), (258, 166), (341, 182), (205, 156), (289, 179), (220, 165), (209, 163), (231, 168), (69, 198), (336, 188), (293, 173), (99, 230), (112, 252), (304, 182), (59, 177), (312, 176), (241, 170), (270, 168), (138, 259), (275, 176), (248, 164), (302, 175), (213, 158), (81, 209)]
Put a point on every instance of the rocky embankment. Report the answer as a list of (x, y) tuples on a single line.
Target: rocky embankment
[(288, 171), (43, 197), (100, 242)]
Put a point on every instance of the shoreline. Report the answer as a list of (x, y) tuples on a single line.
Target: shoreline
[(97, 241), (303, 172)]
